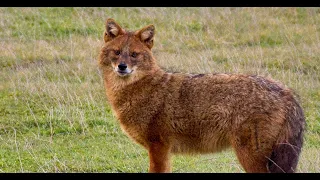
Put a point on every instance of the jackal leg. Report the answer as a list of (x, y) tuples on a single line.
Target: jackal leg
[(253, 143), (159, 156)]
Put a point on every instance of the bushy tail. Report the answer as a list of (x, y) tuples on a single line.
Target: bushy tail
[(286, 151)]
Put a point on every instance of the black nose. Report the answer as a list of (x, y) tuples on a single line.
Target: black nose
[(122, 66)]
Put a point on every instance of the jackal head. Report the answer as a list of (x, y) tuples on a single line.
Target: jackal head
[(127, 52)]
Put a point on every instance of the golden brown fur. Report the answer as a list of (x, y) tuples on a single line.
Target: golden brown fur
[(198, 113)]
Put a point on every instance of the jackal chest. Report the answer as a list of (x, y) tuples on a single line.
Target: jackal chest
[(135, 132)]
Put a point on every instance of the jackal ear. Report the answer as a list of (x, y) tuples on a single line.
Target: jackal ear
[(146, 35), (112, 30)]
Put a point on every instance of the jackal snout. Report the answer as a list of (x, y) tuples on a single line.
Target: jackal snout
[(122, 69), (122, 66)]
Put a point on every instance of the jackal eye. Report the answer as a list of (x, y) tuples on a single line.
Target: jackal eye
[(117, 52), (134, 54)]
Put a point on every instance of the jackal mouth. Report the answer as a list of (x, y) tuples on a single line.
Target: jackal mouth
[(124, 73)]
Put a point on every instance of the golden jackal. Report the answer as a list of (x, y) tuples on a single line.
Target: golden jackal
[(171, 113)]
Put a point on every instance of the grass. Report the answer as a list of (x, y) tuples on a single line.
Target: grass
[(54, 116)]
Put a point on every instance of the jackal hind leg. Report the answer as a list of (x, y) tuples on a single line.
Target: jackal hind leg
[(253, 143)]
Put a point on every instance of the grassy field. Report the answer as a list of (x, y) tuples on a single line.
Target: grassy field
[(54, 115)]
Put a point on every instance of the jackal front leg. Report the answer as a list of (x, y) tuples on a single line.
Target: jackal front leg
[(159, 156)]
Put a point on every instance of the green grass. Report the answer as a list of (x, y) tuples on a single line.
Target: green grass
[(55, 117)]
